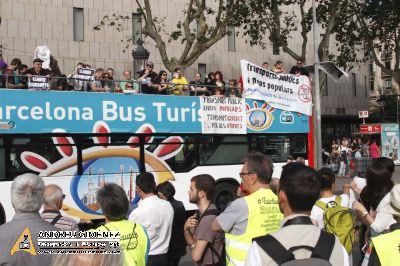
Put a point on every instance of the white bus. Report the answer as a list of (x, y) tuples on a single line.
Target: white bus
[(81, 140)]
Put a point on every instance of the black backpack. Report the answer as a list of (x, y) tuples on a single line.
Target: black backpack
[(221, 258), (320, 255)]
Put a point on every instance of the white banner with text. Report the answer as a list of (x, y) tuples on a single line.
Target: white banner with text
[(283, 91), (223, 115)]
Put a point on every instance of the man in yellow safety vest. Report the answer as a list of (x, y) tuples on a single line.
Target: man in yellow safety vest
[(134, 241), (252, 216)]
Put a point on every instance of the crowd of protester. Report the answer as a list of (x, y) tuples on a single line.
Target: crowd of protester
[(16, 75), (343, 154), (301, 219)]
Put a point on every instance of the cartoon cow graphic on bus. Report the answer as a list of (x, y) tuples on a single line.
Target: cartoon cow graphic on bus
[(100, 159)]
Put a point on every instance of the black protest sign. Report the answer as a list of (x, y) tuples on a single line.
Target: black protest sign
[(38, 83), (84, 74)]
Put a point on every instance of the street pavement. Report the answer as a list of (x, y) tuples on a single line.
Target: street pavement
[(187, 260)]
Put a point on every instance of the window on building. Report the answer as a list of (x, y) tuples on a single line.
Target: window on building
[(354, 84), (371, 85), (231, 38), (78, 24), (202, 68), (325, 87), (136, 27), (371, 69), (388, 83), (365, 87)]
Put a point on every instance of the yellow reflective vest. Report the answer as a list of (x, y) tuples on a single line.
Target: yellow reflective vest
[(134, 241), (387, 247), (264, 217)]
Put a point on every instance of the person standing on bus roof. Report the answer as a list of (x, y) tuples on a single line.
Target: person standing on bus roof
[(156, 215), (245, 218), (19, 237)]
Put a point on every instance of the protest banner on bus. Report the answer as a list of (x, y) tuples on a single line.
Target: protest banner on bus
[(223, 115), (284, 91)]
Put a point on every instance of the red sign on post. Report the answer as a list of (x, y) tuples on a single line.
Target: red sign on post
[(362, 114), (371, 128)]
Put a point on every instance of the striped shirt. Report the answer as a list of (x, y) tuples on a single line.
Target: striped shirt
[(63, 223)]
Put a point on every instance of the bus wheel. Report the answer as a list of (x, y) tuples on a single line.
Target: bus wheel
[(224, 193)]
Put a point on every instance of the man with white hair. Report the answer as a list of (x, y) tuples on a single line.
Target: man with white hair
[(53, 201), (19, 245)]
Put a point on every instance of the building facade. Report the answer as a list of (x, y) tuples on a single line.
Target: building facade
[(66, 26)]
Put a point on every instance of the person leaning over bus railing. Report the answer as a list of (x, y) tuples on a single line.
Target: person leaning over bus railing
[(127, 78), (36, 70), (162, 83), (197, 87), (78, 85), (96, 85), (147, 78), (10, 82), (130, 87), (232, 90), (179, 82)]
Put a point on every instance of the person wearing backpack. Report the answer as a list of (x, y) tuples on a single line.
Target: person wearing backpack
[(331, 212), (207, 246), (298, 241)]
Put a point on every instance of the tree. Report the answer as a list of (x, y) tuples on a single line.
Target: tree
[(375, 26), (211, 19), (275, 20)]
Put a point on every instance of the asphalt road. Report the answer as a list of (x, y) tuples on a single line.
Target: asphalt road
[(187, 261)]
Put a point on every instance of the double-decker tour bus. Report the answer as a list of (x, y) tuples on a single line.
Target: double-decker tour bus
[(81, 140)]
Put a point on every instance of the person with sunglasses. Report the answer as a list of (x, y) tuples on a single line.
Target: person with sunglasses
[(299, 69), (130, 87), (251, 216), (127, 79), (232, 90), (162, 82), (53, 202)]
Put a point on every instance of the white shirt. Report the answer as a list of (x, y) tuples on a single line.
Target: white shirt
[(156, 216), (317, 213), (382, 220), (360, 183)]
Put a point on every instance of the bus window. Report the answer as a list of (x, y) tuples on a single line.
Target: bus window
[(39, 145), (181, 149), (221, 150), (279, 148), (298, 146)]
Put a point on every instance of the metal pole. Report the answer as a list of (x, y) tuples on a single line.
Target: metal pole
[(317, 102)]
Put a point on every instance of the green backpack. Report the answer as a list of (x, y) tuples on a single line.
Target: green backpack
[(339, 221)]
